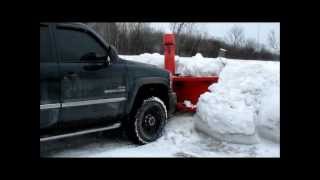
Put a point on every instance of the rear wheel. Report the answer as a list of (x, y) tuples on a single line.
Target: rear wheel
[(148, 122)]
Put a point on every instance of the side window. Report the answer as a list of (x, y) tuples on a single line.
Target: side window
[(45, 44), (75, 45)]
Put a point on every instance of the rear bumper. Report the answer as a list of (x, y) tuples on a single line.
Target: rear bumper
[(172, 103)]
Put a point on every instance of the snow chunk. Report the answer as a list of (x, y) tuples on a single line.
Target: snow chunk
[(188, 104), (198, 56), (199, 66), (230, 112)]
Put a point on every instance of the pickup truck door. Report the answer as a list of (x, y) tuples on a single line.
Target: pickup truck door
[(49, 79), (91, 91)]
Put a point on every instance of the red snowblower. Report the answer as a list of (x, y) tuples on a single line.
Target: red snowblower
[(187, 88)]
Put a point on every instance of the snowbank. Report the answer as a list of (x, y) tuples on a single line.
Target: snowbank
[(185, 66), (244, 101), (268, 124)]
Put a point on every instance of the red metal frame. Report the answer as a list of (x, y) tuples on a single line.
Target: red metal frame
[(190, 88), (169, 52)]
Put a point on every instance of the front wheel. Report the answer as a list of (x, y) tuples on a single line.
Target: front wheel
[(148, 123)]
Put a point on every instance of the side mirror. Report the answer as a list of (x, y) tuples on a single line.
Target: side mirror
[(113, 54), (107, 61)]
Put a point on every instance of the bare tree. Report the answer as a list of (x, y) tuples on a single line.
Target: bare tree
[(183, 32), (273, 42), (236, 36), (177, 28), (251, 44), (136, 38)]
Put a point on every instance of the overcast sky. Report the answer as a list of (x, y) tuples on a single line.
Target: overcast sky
[(258, 31)]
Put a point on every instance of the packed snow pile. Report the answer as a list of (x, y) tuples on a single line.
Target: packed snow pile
[(199, 66), (185, 66), (243, 104)]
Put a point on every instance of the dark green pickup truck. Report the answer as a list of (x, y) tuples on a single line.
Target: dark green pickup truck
[(86, 87)]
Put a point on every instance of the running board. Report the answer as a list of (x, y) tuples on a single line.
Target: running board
[(114, 126)]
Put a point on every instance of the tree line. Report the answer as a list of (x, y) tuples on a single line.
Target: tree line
[(137, 38)]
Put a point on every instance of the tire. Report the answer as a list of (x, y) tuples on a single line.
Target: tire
[(148, 122)]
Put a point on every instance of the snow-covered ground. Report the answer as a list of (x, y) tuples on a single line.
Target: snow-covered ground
[(240, 117), (180, 139)]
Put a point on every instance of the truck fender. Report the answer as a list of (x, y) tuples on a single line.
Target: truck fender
[(141, 82)]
